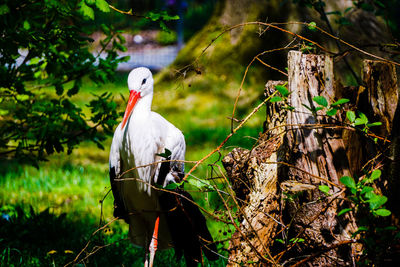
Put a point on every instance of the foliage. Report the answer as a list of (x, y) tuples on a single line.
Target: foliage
[(330, 110), (43, 47), (360, 120), (166, 38), (375, 234), (31, 238), (284, 93), (386, 9), (363, 196)]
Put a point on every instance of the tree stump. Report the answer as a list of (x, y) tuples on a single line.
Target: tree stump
[(301, 150)]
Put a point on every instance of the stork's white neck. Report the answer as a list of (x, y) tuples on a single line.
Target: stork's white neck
[(142, 108)]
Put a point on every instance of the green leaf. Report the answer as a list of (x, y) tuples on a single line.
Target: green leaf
[(311, 26), (351, 116), (361, 120), (375, 175), (348, 181), (288, 107), (343, 21), (283, 90), (4, 9), (348, 9), (22, 97), (320, 100), (105, 29), (336, 12), (124, 59), (4, 112), (389, 228), (27, 26), (163, 26), (378, 123), (370, 194), (380, 4), (360, 229), (34, 61), (153, 16), (377, 201), (199, 183), (85, 10), (275, 99), (280, 240), (168, 17), (318, 109), (332, 112), (340, 102), (367, 189), (296, 240), (102, 5), (324, 188), (343, 211), (383, 212), (172, 186)]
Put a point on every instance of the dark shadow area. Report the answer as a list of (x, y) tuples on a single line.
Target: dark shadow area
[(32, 238)]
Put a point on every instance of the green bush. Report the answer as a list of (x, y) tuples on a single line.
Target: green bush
[(166, 38)]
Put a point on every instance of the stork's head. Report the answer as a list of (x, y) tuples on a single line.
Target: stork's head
[(140, 84)]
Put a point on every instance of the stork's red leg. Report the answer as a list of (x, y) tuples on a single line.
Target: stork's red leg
[(154, 242)]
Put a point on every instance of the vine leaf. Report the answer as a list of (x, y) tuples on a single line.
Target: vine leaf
[(320, 100), (348, 182)]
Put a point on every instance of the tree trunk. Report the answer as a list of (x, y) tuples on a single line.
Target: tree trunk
[(301, 150)]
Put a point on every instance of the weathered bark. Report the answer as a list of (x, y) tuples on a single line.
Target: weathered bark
[(254, 176), (301, 150), (380, 103), (318, 158)]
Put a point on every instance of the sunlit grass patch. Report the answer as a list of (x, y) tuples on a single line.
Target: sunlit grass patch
[(65, 188)]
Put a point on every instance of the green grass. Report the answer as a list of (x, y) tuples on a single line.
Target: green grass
[(57, 207)]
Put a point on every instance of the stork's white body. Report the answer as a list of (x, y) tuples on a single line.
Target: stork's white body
[(137, 140)]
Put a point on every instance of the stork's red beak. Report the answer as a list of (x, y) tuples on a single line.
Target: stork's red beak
[(133, 98)]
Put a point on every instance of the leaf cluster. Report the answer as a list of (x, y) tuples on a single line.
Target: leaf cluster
[(44, 56), (362, 194), (330, 110), (282, 96), (369, 207)]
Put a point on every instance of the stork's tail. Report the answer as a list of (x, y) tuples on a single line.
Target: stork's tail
[(188, 228)]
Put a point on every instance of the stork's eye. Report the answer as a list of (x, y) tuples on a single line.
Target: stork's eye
[(144, 81)]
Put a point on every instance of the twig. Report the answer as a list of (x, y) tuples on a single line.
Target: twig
[(316, 254), (229, 136)]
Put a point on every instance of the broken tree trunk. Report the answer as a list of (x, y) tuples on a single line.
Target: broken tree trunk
[(284, 215), (317, 157), (254, 175)]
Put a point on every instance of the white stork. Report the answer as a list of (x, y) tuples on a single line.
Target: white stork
[(157, 219)]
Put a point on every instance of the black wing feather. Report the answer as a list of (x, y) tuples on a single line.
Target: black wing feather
[(188, 227), (119, 207)]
